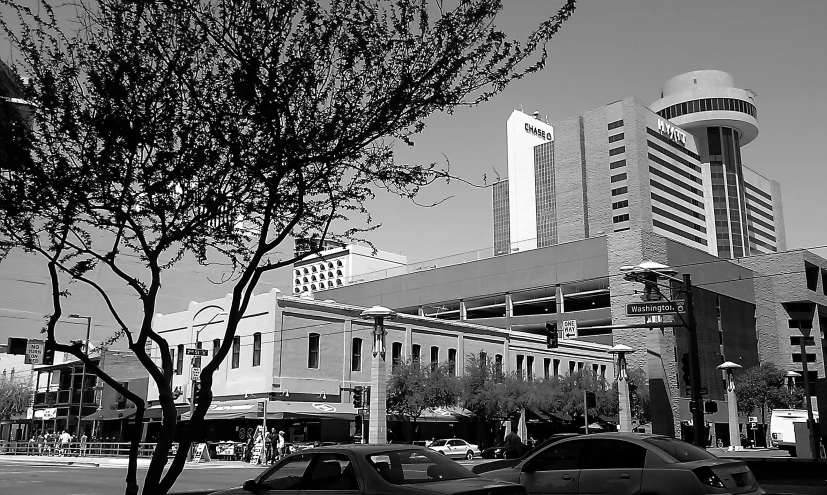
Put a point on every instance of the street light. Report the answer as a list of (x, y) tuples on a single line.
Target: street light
[(791, 376), (648, 274), (624, 401), (378, 431), (193, 360), (732, 404), (83, 376)]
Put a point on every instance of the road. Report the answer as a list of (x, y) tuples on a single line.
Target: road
[(27, 479)]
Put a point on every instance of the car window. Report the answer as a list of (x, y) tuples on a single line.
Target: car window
[(438, 443), (559, 456), (613, 454), (456, 443), (679, 450), (405, 467), (331, 472), (287, 475)]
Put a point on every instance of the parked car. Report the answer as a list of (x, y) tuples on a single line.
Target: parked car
[(782, 427), (501, 462), (455, 448), (372, 469), (627, 463)]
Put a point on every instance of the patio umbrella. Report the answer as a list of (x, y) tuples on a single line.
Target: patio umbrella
[(522, 432)]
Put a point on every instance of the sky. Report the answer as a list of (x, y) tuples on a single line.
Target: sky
[(613, 49)]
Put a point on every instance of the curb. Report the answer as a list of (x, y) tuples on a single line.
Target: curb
[(33, 462)]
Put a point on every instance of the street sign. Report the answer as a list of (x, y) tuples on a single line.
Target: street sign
[(34, 351), (569, 329), (654, 308), (197, 352), (196, 374), (753, 426)]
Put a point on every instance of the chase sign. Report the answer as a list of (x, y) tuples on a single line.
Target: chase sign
[(672, 132)]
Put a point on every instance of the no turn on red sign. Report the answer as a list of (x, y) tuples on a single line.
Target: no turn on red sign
[(34, 351)]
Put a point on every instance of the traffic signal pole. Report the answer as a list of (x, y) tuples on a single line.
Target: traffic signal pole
[(698, 422)]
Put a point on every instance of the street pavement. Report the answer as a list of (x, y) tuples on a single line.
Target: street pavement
[(46, 477)]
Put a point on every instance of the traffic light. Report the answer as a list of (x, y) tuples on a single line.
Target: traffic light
[(685, 368), (552, 341), (692, 406), (17, 345), (196, 390), (710, 407), (591, 400), (356, 394), (48, 353), (366, 398)]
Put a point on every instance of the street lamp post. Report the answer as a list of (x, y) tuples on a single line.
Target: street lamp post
[(732, 405), (193, 382), (378, 430), (811, 427), (791, 376), (624, 410), (83, 375), (648, 273)]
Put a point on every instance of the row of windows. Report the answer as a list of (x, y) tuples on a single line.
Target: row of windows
[(216, 345), (617, 151), (761, 233), (676, 218), (757, 201), (679, 207), (615, 124), (314, 278), (675, 181), (617, 164), (683, 173), (762, 223), (679, 232), (708, 104), (677, 194), (321, 267), (673, 156), (618, 177), (672, 144), (620, 204), (758, 191), (620, 190), (620, 218), (760, 212), (319, 286), (616, 137), (762, 244)]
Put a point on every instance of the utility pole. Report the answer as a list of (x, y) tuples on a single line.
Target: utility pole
[(694, 366)]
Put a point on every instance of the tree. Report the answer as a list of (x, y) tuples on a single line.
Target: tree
[(216, 129), (569, 390), (16, 396), (414, 388), (764, 388)]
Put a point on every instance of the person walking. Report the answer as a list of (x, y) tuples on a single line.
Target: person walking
[(513, 445), (65, 439), (266, 448), (282, 445), (83, 440), (274, 446), (41, 442)]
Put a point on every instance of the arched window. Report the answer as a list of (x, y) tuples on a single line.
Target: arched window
[(339, 282), (305, 271), (298, 273), (298, 281), (338, 273), (297, 290), (329, 265), (312, 286), (313, 269), (339, 263), (329, 284)]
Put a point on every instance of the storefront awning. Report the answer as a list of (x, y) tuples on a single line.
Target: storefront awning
[(443, 415), (156, 412), (248, 409), (111, 414)]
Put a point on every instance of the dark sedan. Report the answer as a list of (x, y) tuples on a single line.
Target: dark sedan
[(628, 464), (498, 452), (372, 469)]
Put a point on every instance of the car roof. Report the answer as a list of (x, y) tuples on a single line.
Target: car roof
[(366, 448)]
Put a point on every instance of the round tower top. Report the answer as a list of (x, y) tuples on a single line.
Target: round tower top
[(698, 79)]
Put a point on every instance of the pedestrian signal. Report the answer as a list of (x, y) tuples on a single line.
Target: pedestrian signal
[(552, 340), (356, 394), (685, 367)]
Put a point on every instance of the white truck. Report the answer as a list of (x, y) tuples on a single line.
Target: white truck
[(782, 431)]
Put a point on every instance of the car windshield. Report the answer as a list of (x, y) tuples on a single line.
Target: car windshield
[(679, 450), (439, 443), (406, 467)]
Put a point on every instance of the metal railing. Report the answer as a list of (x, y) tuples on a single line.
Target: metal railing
[(76, 449)]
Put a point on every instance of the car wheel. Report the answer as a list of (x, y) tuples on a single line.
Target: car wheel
[(441, 453), (469, 456)]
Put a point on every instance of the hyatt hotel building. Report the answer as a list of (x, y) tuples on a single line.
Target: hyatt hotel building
[(673, 167)]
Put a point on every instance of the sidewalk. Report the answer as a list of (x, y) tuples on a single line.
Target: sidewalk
[(36, 460)]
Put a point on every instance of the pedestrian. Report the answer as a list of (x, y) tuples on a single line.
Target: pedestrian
[(41, 442), (31, 447), (248, 449), (83, 439), (65, 438), (282, 445), (513, 445), (274, 446), (266, 448)]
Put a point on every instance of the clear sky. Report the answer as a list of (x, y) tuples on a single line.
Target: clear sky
[(613, 49)]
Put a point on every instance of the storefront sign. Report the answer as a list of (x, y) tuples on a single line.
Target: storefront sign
[(672, 132), (323, 407), (540, 133), (49, 413)]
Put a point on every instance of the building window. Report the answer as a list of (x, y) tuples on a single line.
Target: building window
[(615, 124), (313, 351), (580, 366), (615, 138), (603, 376), (556, 367), (172, 359), (572, 364), (483, 358), (595, 369), (617, 151), (356, 355), (618, 177), (236, 351), (547, 368), (452, 362), (498, 363), (620, 218), (617, 164), (179, 365), (216, 346), (520, 359), (620, 190), (257, 349), (434, 357), (620, 204), (529, 367), (396, 352), (416, 352)]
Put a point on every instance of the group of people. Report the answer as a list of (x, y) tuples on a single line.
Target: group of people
[(57, 444), (275, 447)]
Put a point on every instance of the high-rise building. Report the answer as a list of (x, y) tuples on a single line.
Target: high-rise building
[(340, 265), (673, 168)]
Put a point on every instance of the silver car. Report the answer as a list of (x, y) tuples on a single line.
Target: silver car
[(628, 464)]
